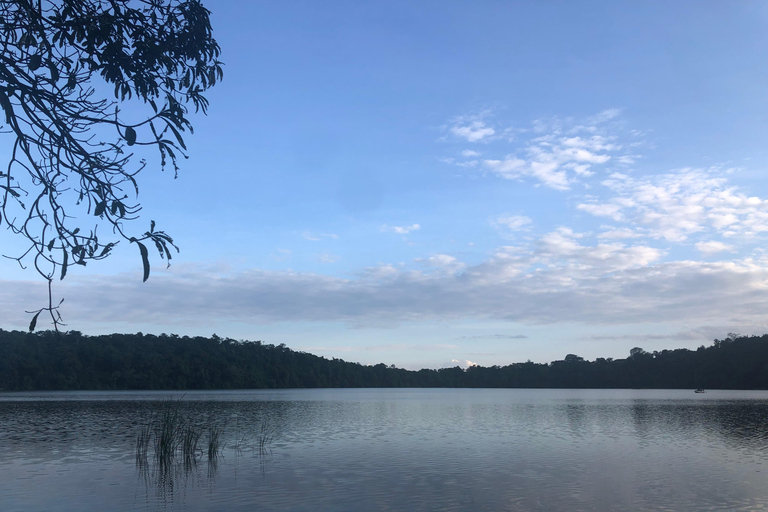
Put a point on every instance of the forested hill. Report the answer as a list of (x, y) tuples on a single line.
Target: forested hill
[(72, 361)]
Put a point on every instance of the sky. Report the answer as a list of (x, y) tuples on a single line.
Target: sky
[(432, 184)]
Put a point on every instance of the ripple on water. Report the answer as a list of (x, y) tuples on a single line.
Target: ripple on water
[(396, 450)]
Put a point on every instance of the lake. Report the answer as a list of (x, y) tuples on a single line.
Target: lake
[(392, 449)]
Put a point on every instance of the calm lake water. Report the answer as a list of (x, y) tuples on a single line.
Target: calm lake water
[(394, 449)]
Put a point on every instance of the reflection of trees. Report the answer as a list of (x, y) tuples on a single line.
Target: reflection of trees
[(741, 424), (577, 419)]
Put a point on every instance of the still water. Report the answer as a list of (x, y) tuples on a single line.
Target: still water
[(394, 449)]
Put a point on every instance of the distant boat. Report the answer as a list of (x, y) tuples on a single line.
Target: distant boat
[(699, 391)]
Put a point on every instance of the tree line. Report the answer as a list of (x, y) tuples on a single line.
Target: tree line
[(50, 360)]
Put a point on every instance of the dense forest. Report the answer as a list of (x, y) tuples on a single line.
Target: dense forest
[(70, 361)]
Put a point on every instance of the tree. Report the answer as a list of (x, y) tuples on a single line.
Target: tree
[(86, 87)]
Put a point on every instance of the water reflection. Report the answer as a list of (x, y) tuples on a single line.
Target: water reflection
[(393, 449)]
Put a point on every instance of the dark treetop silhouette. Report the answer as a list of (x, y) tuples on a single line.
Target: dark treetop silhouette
[(83, 85), (68, 361)]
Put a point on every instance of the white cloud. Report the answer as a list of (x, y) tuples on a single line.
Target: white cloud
[(401, 230), (469, 153), (713, 247), (474, 131), (456, 362), (616, 274), (326, 258), (559, 278), (603, 210), (676, 205), (512, 222), (495, 336), (316, 237), (619, 233), (604, 116), (554, 160), (443, 262)]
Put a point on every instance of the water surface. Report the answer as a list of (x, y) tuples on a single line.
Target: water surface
[(394, 449)]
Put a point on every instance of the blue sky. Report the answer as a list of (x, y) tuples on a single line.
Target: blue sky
[(436, 183)]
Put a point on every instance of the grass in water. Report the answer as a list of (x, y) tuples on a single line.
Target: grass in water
[(214, 442), (265, 435), (173, 437)]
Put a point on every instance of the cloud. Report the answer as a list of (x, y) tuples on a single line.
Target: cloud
[(495, 336), (401, 230), (603, 210), (713, 247), (705, 333), (312, 237), (443, 262), (554, 152), (558, 278), (326, 258), (456, 362), (512, 222), (674, 206), (555, 161), (612, 275), (618, 233), (474, 131), (604, 116)]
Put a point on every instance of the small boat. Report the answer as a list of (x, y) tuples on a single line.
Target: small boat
[(699, 391)]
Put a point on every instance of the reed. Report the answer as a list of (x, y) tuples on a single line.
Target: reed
[(214, 441), (189, 441), (171, 436), (168, 432), (265, 435), (143, 439)]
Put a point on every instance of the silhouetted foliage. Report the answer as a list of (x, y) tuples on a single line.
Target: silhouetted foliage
[(83, 85), (70, 361)]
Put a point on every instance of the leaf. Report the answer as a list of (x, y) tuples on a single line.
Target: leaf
[(130, 136), (178, 136), (106, 250), (7, 107), (64, 264), (100, 209), (54, 72), (118, 208), (33, 323), (34, 62), (144, 259)]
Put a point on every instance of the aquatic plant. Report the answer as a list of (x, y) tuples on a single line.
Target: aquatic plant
[(173, 437), (143, 439), (170, 434), (265, 435), (189, 440), (214, 441)]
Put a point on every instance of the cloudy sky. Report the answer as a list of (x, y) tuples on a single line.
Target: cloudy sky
[(437, 183)]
